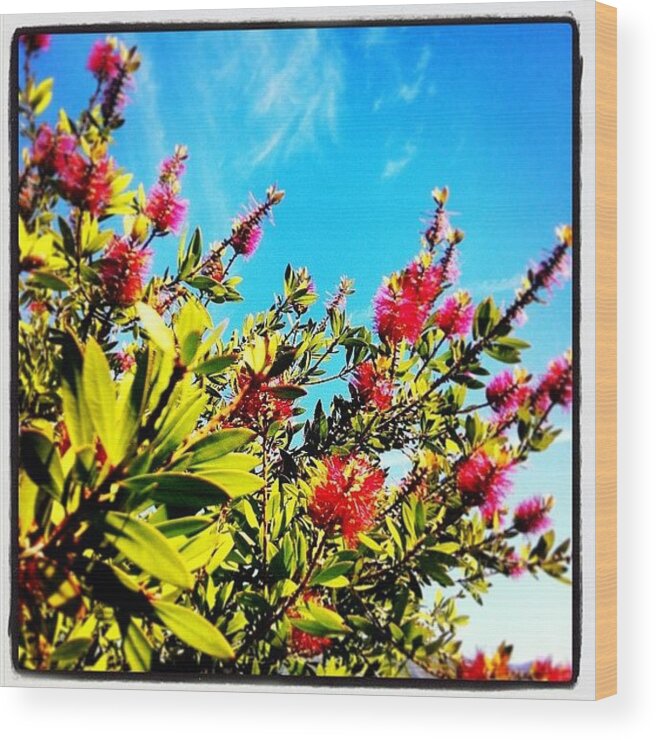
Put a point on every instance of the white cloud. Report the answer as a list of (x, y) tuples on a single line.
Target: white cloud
[(410, 90), (499, 285), (394, 166)]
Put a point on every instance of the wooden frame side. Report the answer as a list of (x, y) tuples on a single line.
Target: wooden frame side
[(606, 351)]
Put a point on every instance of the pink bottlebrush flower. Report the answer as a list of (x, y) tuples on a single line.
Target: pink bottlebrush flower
[(214, 269), (104, 60), (404, 302), (372, 387), (87, 184), (35, 42), (173, 167), (530, 515), (455, 315), (346, 495), (546, 670), (50, 149), (491, 511), (122, 271), (557, 385), (165, 209), (507, 392), (124, 361), (483, 481), (246, 238), (515, 567)]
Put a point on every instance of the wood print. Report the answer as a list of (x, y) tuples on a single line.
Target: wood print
[(297, 332)]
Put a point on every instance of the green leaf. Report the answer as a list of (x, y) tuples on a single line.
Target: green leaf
[(147, 548), (71, 650), (40, 459), (45, 279), (194, 630), (219, 444), (286, 391), (186, 525), (75, 412), (158, 332), (234, 482), (328, 618), (137, 648), (178, 489), (100, 399), (323, 577), (215, 364), (223, 549)]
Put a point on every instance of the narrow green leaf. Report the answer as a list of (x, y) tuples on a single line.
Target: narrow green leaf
[(100, 399), (40, 459), (194, 630), (219, 444), (71, 650), (158, 332), (147, 548)]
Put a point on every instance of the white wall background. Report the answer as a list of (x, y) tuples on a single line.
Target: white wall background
[(59, 713)]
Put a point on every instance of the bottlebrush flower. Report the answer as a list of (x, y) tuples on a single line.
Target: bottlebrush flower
[(514, 565), (85, 183), (508, 392), (303, 643), (50, 149), (557, 385), (62, 438), (483, 481), (372, 386), (36, 308), (122, 271), (346, 495), (530, 515), (456, 314), (173, 167), (124, 361), (474, 669), (246, 238), (34, 42), (404, 301), (104, 60), (546, 670), (165, 209), (260, 406)]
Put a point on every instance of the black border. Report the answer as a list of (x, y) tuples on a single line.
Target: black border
[(292, 682)]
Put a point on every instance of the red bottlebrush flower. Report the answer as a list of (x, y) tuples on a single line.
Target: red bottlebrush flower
[(165, 209), (122, 271), (508, 392), (475, 669), (530, 515), (34, 42), (124, 361), (303, 643), (557, 385), (403, 303), (246, 238), (456, 314), (483, 481), (214, 269), (36, 308), (346, 495), (63, 440), (104, 60), (51, 148), (373, 387), (260, 406), (546, 670), (101, 454)]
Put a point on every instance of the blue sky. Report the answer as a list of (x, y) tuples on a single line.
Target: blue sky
[(357, 125)]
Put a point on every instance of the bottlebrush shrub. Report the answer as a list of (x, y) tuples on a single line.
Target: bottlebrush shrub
[(179, 510)]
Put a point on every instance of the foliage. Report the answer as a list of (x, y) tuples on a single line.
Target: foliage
[(178, 508)]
